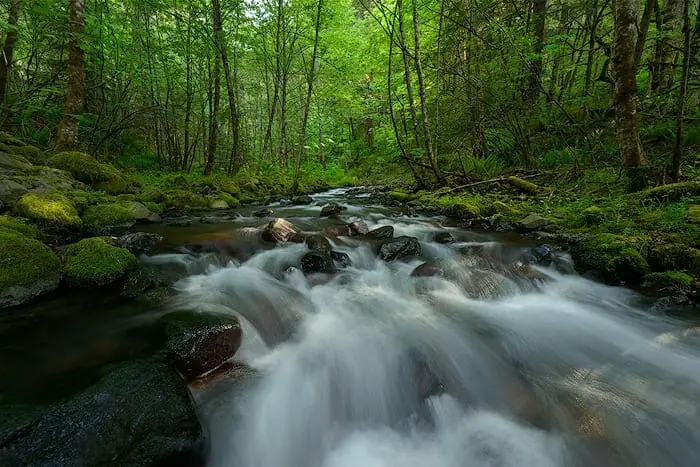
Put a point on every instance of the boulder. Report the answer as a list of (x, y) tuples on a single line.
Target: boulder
[(542, 255), (218, 204), (357, 228), (14, 163), (444, 237), (28, 268), (141, 213), (428, 270), (51, 210), (198, 343), (178, 222), (534, 222), (693, 214), (140, 242), (87, 169), (616, 258), (301, 200), (382, 233), (318, 262), (318, 243), (332, 209), (139, 413), (279, 231), (93, 262), (399, 248), (343, 259), (264, 212), (11, 191)]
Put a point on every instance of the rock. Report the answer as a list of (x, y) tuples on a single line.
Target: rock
[(542, 255), (279, 231), (357, 228), (444, 237), (430, 269), (14, 163), (675, 256), (178, 222), (693, 214), (89, 170), (139, 413), (301, 200), (11, 191), (141, 213), (317, 262), (616, 257), (530, 274), (51, 210), (343, 259), (318, 243), (140, 242), (219, 219), (93, 262), (399, 248), (198, 343), (669, 282), (332, 209), (218, 204), (264, 212), (462, 210), (19, 226), (534, 222), (673, 191), (28, 268), (382, 233)]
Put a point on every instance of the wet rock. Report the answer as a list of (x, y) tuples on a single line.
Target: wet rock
[(198, 343), (264, 212), (141, 213), (531, 274), (218, 219), (400, 248), (444, 237), (302, 200), (534, 222), (139, 413), (429, 269), (542, 255), (140, 242), (179, 222), (332, 209), (343, 259), (357, 228), (382, 233), (279, 231), (318, 243), (318, 262)]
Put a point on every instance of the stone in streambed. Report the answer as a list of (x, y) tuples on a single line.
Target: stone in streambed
[(139, 413), (198, 343), (357, 228), (381, 233), (400, 248), (343, 259), (140, 242), (332, 209), (430, 269), (318, 262), (318, 243), (264, 212), (279, 231), (93, 262), (534, 222), (302, 200), (444, 238)]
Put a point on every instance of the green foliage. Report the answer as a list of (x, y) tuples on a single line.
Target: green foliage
[(592, 216), (675, 256), (483, 168), (49, 210), (93, 261), (102, 215), (24, 261)]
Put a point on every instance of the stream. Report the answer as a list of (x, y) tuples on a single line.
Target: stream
[(488, 359)]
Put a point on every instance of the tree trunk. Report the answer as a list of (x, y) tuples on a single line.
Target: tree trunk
[(649, 8), (8, 48), (539, 11), (267, 140), (309, 91), (678, 146), (214, 119), (68, 128), (588, 80), (666, 46), (422, 94), (626, 90), (407, 74)]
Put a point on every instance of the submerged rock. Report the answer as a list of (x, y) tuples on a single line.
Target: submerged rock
[(381, 233), (428, 270), (264, 212), (343, 259), (400, 248), (318, 262), (140, 413), (541, 254), (301, 200), (140, 242), (198, 343), (318, 243), (444, 237), (279, 231), (332, 209), (357, 228)]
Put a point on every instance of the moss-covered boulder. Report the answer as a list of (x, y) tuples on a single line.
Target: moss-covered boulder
[(524, 185), (592, 216), (400, 196), (673, 191), (103, 215), (693, 214), (670, 281), (93, 262), (218, 204), (28, 268), (460, 209), (675, 256), (183, 200), (31, 153), (229, 199), (87, 169), (617, 258), (14, 163), (230, 187), (51, 210), (11, 191), (18, 225)]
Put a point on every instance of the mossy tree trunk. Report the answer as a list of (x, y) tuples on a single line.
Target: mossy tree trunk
[(678, 146), (8, 48), (75, 97)]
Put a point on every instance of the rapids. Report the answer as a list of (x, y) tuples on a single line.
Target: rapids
[(481, 367)]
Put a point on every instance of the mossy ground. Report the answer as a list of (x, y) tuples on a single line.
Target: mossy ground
[(93, 262), (49, 210), (18, 225), (101, 215), (87, 169)]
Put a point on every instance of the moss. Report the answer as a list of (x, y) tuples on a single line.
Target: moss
[(184, 199), (101, 215), (592, 216), (8, 139), (87, 169), (230, 187), (27, 264), (675, 280), (673, 191), (31, 153), (153, 195), (618, 258), (230, 200), (126, 197), (693, 214), (51, 210), (18, 225), (502, 208), (400, 196), (93, 262), (675, 256), (523, 185), (462, 210), (154, 207)]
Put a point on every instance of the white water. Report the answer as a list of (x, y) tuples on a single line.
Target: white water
[(375, 368)]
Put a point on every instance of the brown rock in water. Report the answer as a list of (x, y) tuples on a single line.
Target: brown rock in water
[(318, 262), (381, 233), (357, 228), (430, 269), (399, 248), (279, 231), (318, 243), (332, 209)]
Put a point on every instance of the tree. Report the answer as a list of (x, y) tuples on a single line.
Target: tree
[(539, 12), (678, 146), (8, 48), (68, 128)]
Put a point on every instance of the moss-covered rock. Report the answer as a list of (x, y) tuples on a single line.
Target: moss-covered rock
[(502, 208), (31, 153), (693, 214), (102, 215), (617, 258), (463, 210), (93, 262), (524, 185), (676, 281), (184, 199), (87, 169), (51, 210), (154, 207), (9, 140), (216, 203), (230, 187), (229, 199), (400, 196), (28, 268), (673, 191), (592, 216), (18, 225), (675, 256)]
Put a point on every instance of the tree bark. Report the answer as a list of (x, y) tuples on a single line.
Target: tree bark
[(539, 11), (214, 119), (594, 19), (75, 96), (626, 89), (678, 146), (422, 94), (649, 8), (407, 74), (8, 48), (267, 140), (666, 45)]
